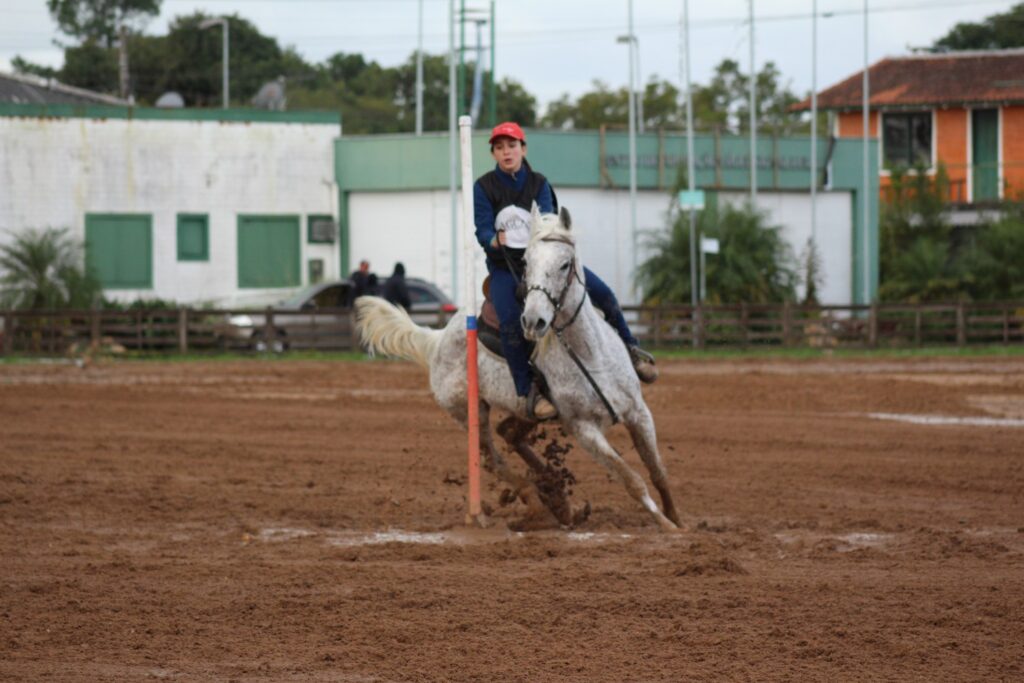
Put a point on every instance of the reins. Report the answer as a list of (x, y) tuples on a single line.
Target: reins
[(557, 303)]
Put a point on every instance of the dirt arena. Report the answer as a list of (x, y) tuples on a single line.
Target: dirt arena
[(303, 521)]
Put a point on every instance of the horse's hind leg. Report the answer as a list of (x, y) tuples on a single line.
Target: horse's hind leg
[(641, 429), (593, 440), (515, 432)]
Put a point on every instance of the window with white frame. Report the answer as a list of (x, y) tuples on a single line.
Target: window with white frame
[(907, 139)]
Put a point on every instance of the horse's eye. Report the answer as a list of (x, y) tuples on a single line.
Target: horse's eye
[(565, 266)]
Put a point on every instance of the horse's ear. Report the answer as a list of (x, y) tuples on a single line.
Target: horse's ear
[(563, 215), (534, 217)]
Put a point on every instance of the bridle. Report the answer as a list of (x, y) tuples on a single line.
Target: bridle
[(558, 303)]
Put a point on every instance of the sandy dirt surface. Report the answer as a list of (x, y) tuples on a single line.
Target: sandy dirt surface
[(303, 521)]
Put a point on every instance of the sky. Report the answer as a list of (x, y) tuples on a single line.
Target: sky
[(554, 47)]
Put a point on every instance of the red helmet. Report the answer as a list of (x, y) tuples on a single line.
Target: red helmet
[(508, 130)]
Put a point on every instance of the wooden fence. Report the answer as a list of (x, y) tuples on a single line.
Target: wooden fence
[(660, 327)]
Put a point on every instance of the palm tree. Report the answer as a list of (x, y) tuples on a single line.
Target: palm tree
[(44, 269), (754, 263)]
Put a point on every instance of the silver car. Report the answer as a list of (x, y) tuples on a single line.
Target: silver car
[(321, 317)]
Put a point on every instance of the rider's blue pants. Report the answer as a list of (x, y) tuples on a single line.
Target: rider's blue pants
[(513, 344)]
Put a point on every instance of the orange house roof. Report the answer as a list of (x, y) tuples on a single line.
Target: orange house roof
[(953, 78)]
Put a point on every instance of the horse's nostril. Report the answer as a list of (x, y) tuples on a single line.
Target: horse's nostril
[(541, 325), (522, 321)]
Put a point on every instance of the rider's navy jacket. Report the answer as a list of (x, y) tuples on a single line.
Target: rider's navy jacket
[(497, 189)]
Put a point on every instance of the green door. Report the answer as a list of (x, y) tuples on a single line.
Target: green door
[(985, 154), (119, 249), (268, 251)]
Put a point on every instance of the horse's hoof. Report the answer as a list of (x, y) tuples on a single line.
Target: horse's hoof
[(581, 514)]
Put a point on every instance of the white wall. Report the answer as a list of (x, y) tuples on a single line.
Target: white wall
[(834, 227), (415, 228), (54, 171)]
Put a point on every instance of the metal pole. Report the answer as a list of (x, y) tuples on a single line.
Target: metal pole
[(867, 206), (419, 73), (691, 165), (814, 126), (640, 91), (492, 103), (753, 114), (632, 143), (225, 81), (453, 158)]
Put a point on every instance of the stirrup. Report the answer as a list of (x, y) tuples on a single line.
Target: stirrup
[(536, 400), (643, 363)]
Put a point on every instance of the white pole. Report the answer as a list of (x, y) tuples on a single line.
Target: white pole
[(753, 113), (453, 158), (691, 165), (419, 74), (469, 245), (632, 144), (814, 126), (867, 205)]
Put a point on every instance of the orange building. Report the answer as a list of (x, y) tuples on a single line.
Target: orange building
[(961, 110)]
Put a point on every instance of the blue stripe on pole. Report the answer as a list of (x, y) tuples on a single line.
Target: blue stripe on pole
[(470, 322)]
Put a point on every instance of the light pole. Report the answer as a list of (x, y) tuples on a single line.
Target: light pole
[(630, 39), (691, 167), (222, 21)]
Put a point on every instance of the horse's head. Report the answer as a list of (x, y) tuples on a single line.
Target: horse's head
[(551, 271)]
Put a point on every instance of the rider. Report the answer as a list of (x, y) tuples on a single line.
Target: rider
[(502, 200)]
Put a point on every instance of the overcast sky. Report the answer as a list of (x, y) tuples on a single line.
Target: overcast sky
[(561, 46)]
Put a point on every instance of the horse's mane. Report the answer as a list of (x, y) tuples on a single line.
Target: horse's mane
[(549, 226)]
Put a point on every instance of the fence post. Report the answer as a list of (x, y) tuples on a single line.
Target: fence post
[(699, 313), (1006, 324), (269, 335), (873, 325), (182, 330), (961, 325), (8, 335), (94, 326), (917, 327), (787, 323), (745, 325)]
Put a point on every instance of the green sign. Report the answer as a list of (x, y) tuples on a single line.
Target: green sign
[(691, 200)]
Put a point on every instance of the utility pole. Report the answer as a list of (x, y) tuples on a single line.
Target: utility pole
[(753, 114), (419, 73)]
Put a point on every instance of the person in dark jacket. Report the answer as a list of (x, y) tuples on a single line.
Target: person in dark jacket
[(395, 289), (502, 199), (360, 281)]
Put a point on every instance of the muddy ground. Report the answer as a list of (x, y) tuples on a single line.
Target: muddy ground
[(303, 521)]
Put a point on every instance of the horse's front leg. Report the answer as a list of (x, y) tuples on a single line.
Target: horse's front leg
[(640, 424), (591, 438), (551, 490)]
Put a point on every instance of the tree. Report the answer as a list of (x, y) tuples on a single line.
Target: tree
[(44, 270), (754, 263), (995, 32), (98, 21)]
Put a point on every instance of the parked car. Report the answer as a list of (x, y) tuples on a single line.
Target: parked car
[(320, 317)]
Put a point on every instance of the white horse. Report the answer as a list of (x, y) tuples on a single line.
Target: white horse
[(592, 392)]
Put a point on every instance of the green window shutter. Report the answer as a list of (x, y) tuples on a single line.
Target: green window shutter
[(268, 251), (193, 237), (119, 249), (985, 154)]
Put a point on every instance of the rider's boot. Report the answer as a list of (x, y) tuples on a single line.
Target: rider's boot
[(538, 407), (643, 363)]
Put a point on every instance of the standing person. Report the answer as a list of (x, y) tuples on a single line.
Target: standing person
[(502, 200), (360, 281), (395, 289)]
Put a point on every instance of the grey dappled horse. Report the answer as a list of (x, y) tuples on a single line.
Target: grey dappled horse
[(559, 316)]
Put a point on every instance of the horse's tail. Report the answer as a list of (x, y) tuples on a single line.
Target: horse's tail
[(387, 329)]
